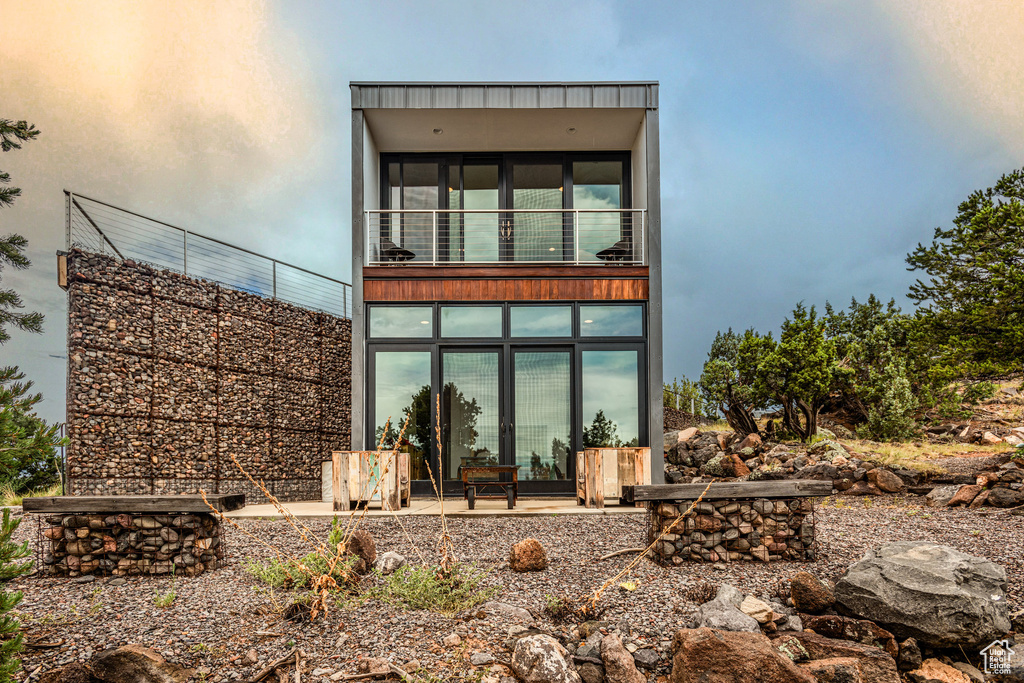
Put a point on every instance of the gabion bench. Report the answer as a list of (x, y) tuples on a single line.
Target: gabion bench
[(734, 521), (131, 535)]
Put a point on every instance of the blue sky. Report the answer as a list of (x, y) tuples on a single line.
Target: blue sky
[(806, 145)]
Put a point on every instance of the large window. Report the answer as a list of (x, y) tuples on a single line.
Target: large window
[(514, 384)]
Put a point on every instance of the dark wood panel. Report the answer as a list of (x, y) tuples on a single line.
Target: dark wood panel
[(794, 488), (509, 290), (597, 272), (222, 502)]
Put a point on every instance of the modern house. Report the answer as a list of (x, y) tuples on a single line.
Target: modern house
[(506, 274)]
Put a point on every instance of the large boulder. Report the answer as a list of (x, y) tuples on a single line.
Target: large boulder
[(542, 659), (722, 614), (857, 630), (528, 555), (885, 480), (872, 664), (933, 593), (136, 664), (1005, 498), (705, 655)]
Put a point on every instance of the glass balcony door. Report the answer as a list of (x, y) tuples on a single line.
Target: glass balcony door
[(542, 413), (535, 186), (471, 409), (474, 236)]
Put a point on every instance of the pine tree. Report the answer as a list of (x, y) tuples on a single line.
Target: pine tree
[(973, 300), (10, 568)]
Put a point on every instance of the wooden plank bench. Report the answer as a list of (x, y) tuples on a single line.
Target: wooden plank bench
[(479, 478), (131, 535), (734, 521)]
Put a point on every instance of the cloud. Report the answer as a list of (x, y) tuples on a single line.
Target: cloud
[(201, 114)]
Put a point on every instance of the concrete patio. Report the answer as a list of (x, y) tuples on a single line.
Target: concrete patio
[(453, 507)]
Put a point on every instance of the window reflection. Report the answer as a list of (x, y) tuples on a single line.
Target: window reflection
[(598, 185), (470, 431), (470, 321), (541, 321), (402, 391), (392, 322), (611, 321), (611, 398), (542, 409)]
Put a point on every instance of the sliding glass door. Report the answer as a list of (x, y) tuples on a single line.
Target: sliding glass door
[(542, 413)]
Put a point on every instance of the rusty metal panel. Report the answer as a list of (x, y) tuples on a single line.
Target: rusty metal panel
[(579, 96), (392, 97), (606, 96), (418, 97), (471, 97), (526, 97), (552, 96), (446, 97), (499, 97)]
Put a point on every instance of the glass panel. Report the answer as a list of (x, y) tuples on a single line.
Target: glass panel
[(542, 414), (419, 191), (470, 321), (401, 322), (611, 321), (598, 185), (611, 396), (541, 321), (470, 407), (478, 239), (537, 236), (401, 389)]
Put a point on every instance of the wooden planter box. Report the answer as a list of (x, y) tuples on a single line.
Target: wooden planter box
[(602, 472), (355, 476)]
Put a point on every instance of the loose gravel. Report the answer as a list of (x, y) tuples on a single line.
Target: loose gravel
[(216, 619)]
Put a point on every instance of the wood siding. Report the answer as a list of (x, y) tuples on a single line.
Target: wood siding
[(523, 283), (505, 290)]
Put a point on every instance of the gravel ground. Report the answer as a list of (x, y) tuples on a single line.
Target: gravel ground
[(217, 618)]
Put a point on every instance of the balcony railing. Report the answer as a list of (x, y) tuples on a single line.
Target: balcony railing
[(511, 237)]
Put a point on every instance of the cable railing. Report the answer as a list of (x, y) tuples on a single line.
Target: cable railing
[(102, 228), (506, 237)]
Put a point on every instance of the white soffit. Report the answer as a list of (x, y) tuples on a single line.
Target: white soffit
[(503, 130)]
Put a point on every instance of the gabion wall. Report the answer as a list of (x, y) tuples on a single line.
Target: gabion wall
[(127, 545), (734, 530), (168, 377)]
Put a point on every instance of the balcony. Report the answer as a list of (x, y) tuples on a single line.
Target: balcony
[(576, 237)]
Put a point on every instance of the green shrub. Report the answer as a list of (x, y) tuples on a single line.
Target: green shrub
[(890, 417), (428, 588), (289, 574), (978, 392)]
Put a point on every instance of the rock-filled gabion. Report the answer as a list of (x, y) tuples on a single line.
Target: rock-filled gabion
[(129, 545), (169, 377), (734, 530)]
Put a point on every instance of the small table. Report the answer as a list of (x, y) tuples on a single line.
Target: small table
[(488, 477)]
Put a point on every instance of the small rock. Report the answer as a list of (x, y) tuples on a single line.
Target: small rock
[(759, 610), (972, 673), (730, 594), (251, 657), (719, 614), (965, 495), (591, 672), (885, 480), (1003, 498), (619, 666), (589, 628), (910, 655), (528, 555), (452, 640), (481, 659), (810, 594), (117, 581), (389, 563), (88, 578), (990, 439), (541, 659), (940, 495), (647, 658), (320, 671)]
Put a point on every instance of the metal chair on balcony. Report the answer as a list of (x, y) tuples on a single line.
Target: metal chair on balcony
[(620, 251), (389, 251)]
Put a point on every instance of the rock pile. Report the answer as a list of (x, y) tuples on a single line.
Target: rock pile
[(694, 456), (126, 545), (168, 377), (733, 530)]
